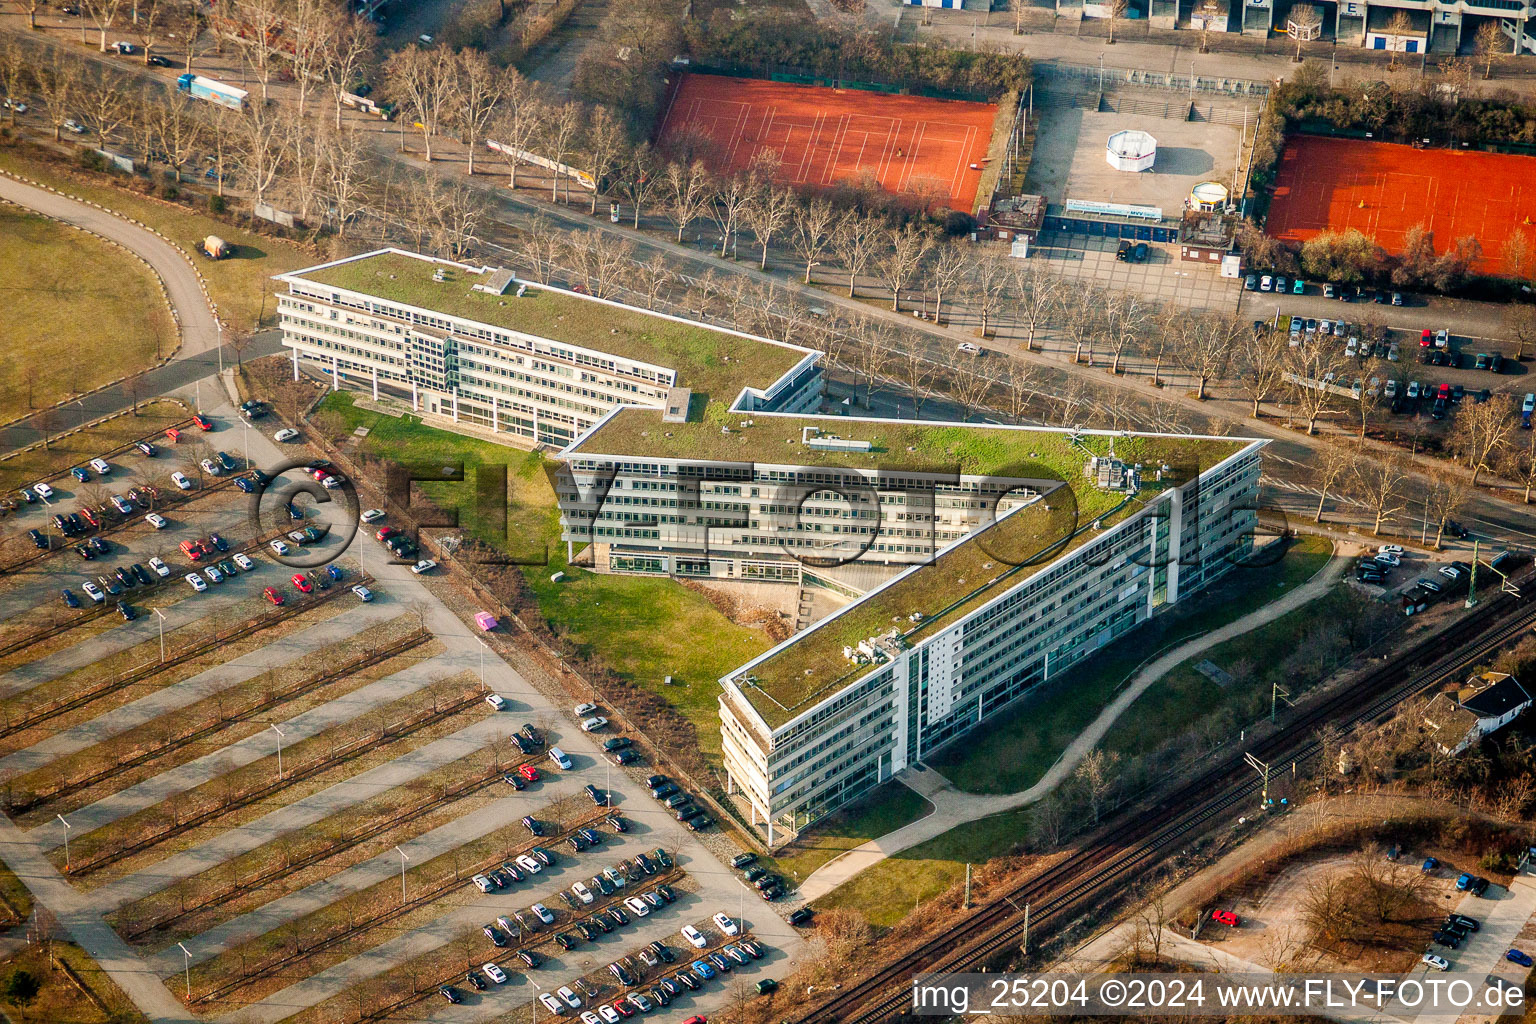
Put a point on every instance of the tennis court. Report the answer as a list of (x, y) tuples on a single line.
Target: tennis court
[(1383, 189), (910, 145)]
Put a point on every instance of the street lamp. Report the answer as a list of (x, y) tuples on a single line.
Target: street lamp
[(187, 953), (403, 859), (279, 732), (66, 841), (1101, 73), (161, 615)]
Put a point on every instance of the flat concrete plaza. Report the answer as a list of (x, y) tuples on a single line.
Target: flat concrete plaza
[(1163, 277), (1068, 161)]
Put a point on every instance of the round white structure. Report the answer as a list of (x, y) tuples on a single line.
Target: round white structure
[(1131, 151), (1208, 195)]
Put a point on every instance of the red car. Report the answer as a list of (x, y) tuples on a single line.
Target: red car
[(1426, 339), (89, 516), (271, 594), (1225, 917), (193, 550), (202, 424), (385, 533), (528, 772), (172, 434), (623, 1008), (303, 584)]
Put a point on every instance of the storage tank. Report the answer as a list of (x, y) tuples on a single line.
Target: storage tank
[(1207, 196), (1131, 150)]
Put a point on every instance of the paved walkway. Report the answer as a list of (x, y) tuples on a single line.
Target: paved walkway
[(79, 915), (243, 752), (954, 808)]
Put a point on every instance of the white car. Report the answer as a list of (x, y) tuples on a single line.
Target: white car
[(213, 574), (93, 592), (638, 905), (570, 998), (43, 491), (278, 546), (551, 1003), (528, 864), (425, 565), (362, 592), (1391, 549), (725, 924), (582, 710), (610, 1015), (694, 936), (1442, 338), (495, 973), (483, 884), (286, 434), (181, 480), (593, 724), (969, 348), (211, 468), (582, 892), (373, 515), (1387, 558), (544, 913), (495, 701), (196, 581), (71, 124), (156, 520), (243, 561), (1439, 963), (588, 1017), (101, 466), (161, 569)]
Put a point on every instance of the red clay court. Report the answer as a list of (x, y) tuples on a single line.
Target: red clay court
[(1383, 189), (910, 144)]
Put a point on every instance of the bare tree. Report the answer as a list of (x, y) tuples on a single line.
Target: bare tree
[(262, 147), (178, 128), (1037, 293), (1381, 486), (1310, 369), (14, 74), (347, 179), (687, 192), (733, 196), (1114, 10), (1479, 431), (811, 234), (1491, 46), (148, 19), (192, 18), (917, 373), (1261, 365), (1520, 322), (599, 258), (904, 253), (105, 102), (1097, 772), (1332, 465), (310, 31), (263, 23), (423, 79), (103, 14), (654, 276), (1398, 26), (1305, 21), (1520, 463), (1081, 317), (1126, 319), (222, 128), (639, 178), (1444, 496), (606, 142), (983, 290), (561, 127), (1206, 348), (767, 216), (352, 45), (519, 120), (945, 271), (855, 240), (1022, 385), (968, 382)]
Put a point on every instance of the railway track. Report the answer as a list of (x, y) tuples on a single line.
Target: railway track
[(1135, 841)]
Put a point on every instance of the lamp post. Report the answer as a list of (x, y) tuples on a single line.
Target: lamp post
[(403, 859), (1101, 73), (66, 841), (279, 732), (160, 615), (187, 953)]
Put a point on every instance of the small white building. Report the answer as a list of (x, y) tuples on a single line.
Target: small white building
[(1485, 705), (1131, 150)]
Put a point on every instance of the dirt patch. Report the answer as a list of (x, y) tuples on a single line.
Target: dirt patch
[(744, 611)]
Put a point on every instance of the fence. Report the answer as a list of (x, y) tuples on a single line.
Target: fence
[(1107, 77), (805, 76)]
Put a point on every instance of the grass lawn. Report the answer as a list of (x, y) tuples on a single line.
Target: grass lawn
[(82, 312), (42, 463), (1014, 750), (885, 809), (644, 628), (239, 285), (891, 889)]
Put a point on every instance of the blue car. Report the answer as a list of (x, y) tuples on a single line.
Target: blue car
[(80, 474), (70, 600), (1430, 864), (245, 485), (1514, 956), (334, 572), (703, 970)]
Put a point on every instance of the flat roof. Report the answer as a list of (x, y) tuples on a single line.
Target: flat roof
[(810, 666), (715, 362)]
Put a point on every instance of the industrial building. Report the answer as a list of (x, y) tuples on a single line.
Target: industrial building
[(478, 350), (1012, 552)]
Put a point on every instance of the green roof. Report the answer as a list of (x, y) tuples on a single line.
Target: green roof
[(713, 363), (959, 581)]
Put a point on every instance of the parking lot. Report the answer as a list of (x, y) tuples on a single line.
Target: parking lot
[(241, 808)]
